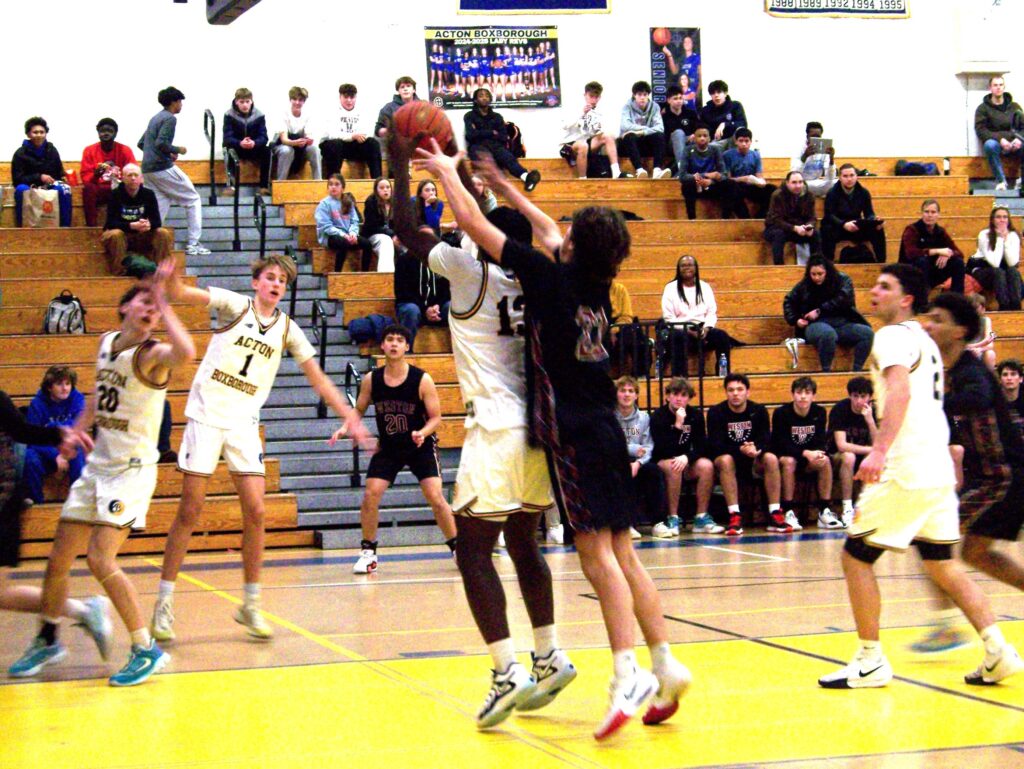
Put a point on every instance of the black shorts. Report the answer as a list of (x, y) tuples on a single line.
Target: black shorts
[(590, 472), (424, 462), (1003, 518), (10, 530)]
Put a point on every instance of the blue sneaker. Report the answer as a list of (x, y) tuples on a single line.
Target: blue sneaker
[(941, 638), (96, 624), (142, 663), (37, 657)]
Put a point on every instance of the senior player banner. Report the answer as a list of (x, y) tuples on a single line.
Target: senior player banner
[(534, 6), (518, 64), (675, 60), (864, 9)]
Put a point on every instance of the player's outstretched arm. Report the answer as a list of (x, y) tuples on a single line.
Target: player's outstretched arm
[(419, 241), (545, 229), (352, 418), (897, 399), (432, 405), (161, 358), (179, 292)]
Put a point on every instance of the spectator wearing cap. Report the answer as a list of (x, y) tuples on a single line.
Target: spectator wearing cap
[(245, 132), (36, 163), (102, 164)]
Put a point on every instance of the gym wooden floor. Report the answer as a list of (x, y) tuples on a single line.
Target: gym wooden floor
[(387, 670)]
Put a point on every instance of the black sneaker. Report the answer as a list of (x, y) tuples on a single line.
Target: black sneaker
[(624, 175), (532, 180)]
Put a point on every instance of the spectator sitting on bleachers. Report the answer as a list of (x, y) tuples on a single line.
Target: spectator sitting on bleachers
[(245, 132), (799, 440), (739, 435), (642, 132), (818, 168), (429, 208), (57, 404), (997, 122), (823, 309), (791, 218), (1011, 373), (348, 135), (422, 297), (722, 114), (338, 225), (850, 215), (995, 265), (648, 484), (485, 195), (405, 92), (102, 164), (36, 163), (586, 135), (702, 172), (851, 428), (983, 345), (377, 215), (680, 440), (486, 132), (744, 167), (295, 139), (133, 224), (680, 122), (926, 245), (690, 300)]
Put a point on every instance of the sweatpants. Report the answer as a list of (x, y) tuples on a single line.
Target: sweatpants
[(173, 186)]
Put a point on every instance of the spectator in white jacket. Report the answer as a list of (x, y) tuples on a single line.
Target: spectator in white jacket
[(690, 300), (348, 135), (995, 265), (588, 134), (642, 132), (296, 138)]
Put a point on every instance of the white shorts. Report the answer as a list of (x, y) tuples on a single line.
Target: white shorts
[(500, 474), (202, 446), (120, 499), (890, 516)]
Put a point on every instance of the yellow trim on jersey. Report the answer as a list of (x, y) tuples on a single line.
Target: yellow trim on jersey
[(479, 302), (143, 379), (266, 328)]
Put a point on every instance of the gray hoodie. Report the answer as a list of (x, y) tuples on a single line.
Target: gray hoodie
[(643, 122), (637, 427)]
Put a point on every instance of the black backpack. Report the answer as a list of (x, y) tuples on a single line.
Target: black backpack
[(65, 314), (515, 140)]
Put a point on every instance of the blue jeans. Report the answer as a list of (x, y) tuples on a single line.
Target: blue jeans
[(412, 317), (40, 461), (994, 153), (63, 198), (826, 334)]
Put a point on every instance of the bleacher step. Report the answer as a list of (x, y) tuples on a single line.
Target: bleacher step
[(391, 534)]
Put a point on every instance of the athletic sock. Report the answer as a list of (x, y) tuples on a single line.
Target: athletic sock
[(252, 593), (552, 517), (615, 170), (993, 639), (141, 638), (773, 507), (661, 656), (545, 640), (503, 654), (48, 630), (366, 544), (75, 609), (870, 650), (451, 543), (624, 661), (734, 509), (847, 505), (166, 589)]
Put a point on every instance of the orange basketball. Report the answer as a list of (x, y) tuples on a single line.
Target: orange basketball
[(422, 117), (661, 36)]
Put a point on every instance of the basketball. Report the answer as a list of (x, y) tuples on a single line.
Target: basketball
[(661, 36), (422, 117)]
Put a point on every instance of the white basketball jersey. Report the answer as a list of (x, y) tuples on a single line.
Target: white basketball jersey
[(486, 322), (129, 408), (919, 456), (241, 362)]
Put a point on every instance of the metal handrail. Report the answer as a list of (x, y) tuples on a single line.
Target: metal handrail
[(259, 218), (639, 339), (353, 378), (210, 129), (234, 166), (318, 322)]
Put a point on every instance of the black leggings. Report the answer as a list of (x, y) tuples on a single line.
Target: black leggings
[(683, 343), (341, 248)]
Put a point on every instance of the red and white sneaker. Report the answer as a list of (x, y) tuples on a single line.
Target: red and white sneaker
[(777, 523), (735, 527), (672, 685), (627, 696)]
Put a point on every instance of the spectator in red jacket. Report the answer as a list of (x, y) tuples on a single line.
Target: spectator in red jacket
[(102, 164)]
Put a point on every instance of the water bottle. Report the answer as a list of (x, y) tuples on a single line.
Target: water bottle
[(723, 365), (945, 166)]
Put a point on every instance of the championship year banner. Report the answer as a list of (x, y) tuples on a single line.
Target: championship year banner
[(519, 65), (863, 9), (534, 6), (675, 60)]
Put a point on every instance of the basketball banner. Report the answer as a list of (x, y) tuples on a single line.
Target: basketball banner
[(675, 60), (864, 9), (518, 64), (534, 6)]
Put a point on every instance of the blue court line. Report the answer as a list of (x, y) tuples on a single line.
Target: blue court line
[(1018, 747), (430, 654)]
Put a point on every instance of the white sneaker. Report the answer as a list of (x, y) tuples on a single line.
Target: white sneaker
[(161, 627), (552, 674), (626, 697), (501, 540), (662, 173), (255, 624), (641, 173), (705, 524), (1001, 187), (96, 623), (672, 684), (508, 690), (1016, 184), (846, 518), (634, 534), (827, 520), (991, 672), (367, 562), (859, 674), (196, 249), (791, 519), (554, 534), (662, 531)]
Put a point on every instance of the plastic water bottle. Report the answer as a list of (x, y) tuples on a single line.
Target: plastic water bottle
[(723, 365), (945, 166)]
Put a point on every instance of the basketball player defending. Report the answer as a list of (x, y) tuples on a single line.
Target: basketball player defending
[(909, 495), (113, 494), (502, 483), (223, 412), (408, 414)]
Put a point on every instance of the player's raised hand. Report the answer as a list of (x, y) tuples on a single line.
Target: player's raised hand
[(485, 167), (163, 275), (435, 161)]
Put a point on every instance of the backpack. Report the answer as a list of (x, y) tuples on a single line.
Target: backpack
[(515, 140), (64, 315), (368, 329), (911, 168)]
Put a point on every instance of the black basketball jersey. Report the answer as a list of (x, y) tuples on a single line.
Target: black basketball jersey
[(399, 410)]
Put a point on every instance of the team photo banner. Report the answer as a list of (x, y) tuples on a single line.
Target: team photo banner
[(518, 64), (863, 9), (537, 6)]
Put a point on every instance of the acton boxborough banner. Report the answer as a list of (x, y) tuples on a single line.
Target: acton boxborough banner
[(864, 9), (534, 6)]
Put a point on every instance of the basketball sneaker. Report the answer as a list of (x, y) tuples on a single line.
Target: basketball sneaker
[(626, 697), (827, 520), (554, 534), (862, 673), (735, 527), (777, 523), (96, 623), (508, 689), (941, 638), (793, 521), (634, 534), (142, 663), (552, 674), (663, 531), (255, 624), (672, 685), (196, 249), (367, 562), (37, 657), (162, 625), (846, 518), (705, 524), (992, 671)]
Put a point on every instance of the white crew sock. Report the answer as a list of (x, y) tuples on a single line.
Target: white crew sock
[(166, 589), (141, 637), (993, 639), (545, 640), (503, 654), (624, 661)]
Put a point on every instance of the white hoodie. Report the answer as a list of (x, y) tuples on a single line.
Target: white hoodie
[(343, 123)]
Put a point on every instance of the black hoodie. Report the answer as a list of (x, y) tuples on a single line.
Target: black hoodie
[(730, 112)]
